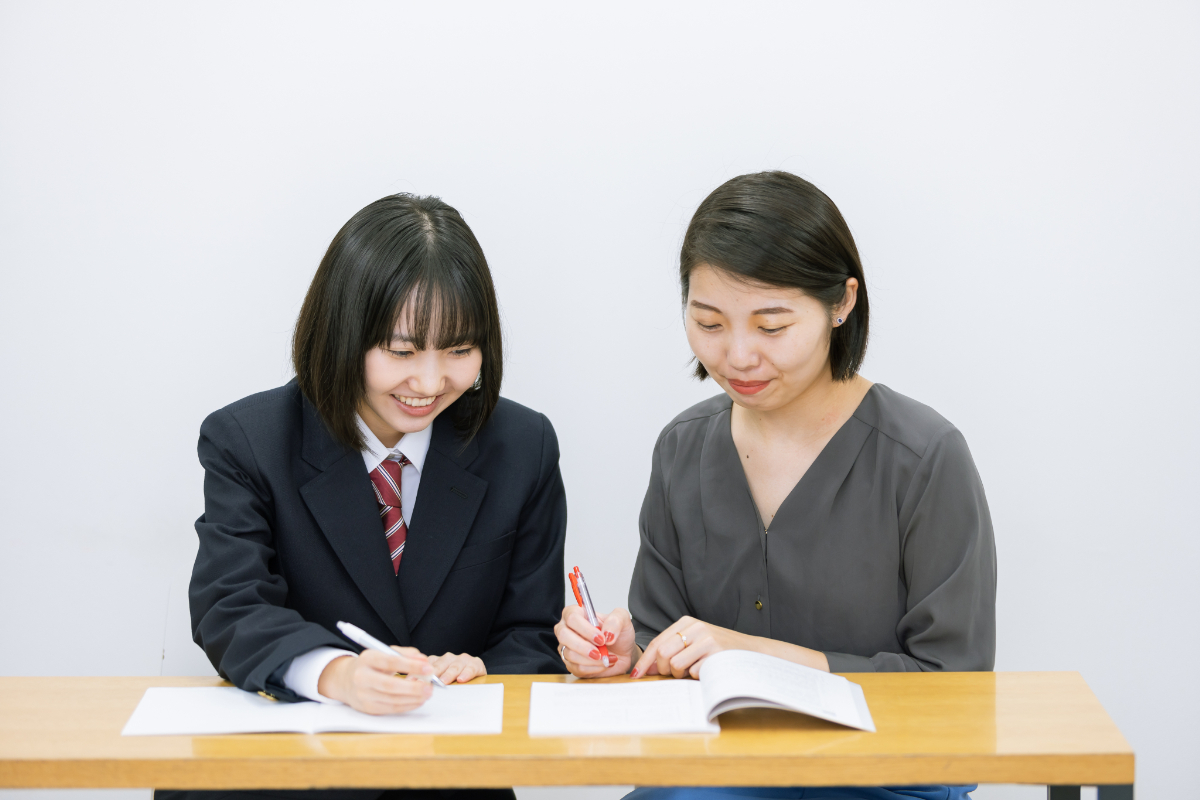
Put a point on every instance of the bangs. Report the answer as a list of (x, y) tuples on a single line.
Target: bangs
[(437, 309), (404, 264)]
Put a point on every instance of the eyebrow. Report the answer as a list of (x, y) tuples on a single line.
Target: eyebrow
[(756, 312)]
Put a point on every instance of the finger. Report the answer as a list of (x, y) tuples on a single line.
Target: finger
[(614, 624), (467, 672), (580, 625), (472, 669), (453, 670), (394, 662), (682, 661), (390, 686), (408, 652), (578, 648), (648, 657), (384, 704), (660, 649)]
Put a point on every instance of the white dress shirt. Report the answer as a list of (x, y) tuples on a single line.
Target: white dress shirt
[(305, 670)]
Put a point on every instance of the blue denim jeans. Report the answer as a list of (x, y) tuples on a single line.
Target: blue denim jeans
[(801, 793)]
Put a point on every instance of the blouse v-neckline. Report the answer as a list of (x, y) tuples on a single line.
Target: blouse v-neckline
[(840, 452)]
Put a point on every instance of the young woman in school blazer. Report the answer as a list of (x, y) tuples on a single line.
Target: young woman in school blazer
[(398, 360), (805, 512)]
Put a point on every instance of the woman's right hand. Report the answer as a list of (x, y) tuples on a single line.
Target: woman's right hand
[(368, 682), (578, 643)]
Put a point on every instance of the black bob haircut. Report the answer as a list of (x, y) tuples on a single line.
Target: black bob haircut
[(402, 254), (775, 229)]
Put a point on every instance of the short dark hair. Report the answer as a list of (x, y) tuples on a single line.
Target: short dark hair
[(776, 229), (399, 249)]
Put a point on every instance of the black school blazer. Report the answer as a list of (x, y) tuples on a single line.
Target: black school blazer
[(291, 542)]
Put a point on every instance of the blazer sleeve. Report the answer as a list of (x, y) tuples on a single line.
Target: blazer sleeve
[(237, 595), (657, 597), (948, 554), (521, 640)]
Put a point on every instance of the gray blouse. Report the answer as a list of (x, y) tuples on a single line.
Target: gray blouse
[(882, 556)]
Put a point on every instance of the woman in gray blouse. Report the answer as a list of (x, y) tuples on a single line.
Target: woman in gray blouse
[(805, 513)]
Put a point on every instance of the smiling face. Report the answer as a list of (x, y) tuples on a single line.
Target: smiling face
[(406, 388), (766, 346)]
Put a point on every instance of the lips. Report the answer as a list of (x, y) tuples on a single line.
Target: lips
[(416, 406), (748, 387)]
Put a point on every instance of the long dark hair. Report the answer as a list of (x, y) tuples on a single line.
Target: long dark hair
[(777, 229), (401, 252)]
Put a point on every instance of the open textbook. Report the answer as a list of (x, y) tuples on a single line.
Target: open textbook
[(728, 680), (166, 712)]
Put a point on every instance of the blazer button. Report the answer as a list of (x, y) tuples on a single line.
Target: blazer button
[(758, 605)]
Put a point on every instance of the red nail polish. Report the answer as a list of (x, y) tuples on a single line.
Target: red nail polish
[(595, 654), (598, 639), (611, 637), (633, 674)]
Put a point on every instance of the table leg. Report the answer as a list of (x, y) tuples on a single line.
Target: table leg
[(1122, 791), (1062, 793)]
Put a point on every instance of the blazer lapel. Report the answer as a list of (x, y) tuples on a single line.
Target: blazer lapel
[(341, 500), (447, 503)]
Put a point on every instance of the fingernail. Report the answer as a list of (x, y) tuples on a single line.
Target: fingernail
[(609, 636), (595, 654), (633, 674), (598, 639)]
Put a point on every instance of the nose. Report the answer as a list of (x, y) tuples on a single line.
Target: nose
[(741, 355), (426, 378)]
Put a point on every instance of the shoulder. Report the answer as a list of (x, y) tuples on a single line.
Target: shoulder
[(905, 421), (682, 440), (513, 431), (510, 418), (258, 415), (695, 420)]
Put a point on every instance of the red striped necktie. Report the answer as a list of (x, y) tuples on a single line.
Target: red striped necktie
[(386, 480)]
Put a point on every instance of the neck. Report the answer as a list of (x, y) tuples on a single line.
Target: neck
[(824, 404)]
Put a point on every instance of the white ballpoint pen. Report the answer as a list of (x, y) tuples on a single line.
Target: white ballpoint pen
[(361, 637)]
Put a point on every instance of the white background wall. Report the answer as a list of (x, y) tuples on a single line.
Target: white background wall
[(1022, 180)]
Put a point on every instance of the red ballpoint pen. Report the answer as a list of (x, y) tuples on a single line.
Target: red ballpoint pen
[(579, 586)]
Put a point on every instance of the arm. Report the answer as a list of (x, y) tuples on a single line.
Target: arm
[(522, 635), (949, 563), (237, 597), (657, 596)]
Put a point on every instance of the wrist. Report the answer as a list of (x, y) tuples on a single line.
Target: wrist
[(331, 681)]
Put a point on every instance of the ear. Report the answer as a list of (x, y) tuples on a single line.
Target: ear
[(842, 311)]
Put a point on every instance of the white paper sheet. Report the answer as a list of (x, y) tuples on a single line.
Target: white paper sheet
[(575, 709), (217, 710)]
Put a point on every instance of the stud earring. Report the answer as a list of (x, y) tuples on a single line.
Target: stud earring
[(839, 322)]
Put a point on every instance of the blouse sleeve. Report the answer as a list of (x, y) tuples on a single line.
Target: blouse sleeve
[(656, 592), (948, 557)]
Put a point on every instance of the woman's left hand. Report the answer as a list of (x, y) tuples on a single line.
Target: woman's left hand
[(457, 667), (681, 649)]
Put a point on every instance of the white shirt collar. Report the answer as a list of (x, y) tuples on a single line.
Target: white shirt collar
[(412, 446)]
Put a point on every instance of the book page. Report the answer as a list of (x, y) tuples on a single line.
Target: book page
[(220, 710), (579, 709), (742, 679)]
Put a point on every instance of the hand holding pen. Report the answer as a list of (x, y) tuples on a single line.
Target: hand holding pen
[(585, 639)]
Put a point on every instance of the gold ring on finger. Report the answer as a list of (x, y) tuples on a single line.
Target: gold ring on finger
[(681, 636)]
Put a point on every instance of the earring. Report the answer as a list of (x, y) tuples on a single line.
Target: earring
[(478, 384), (839, 322)]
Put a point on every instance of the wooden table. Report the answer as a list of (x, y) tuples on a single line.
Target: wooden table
[(1019, 727)]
